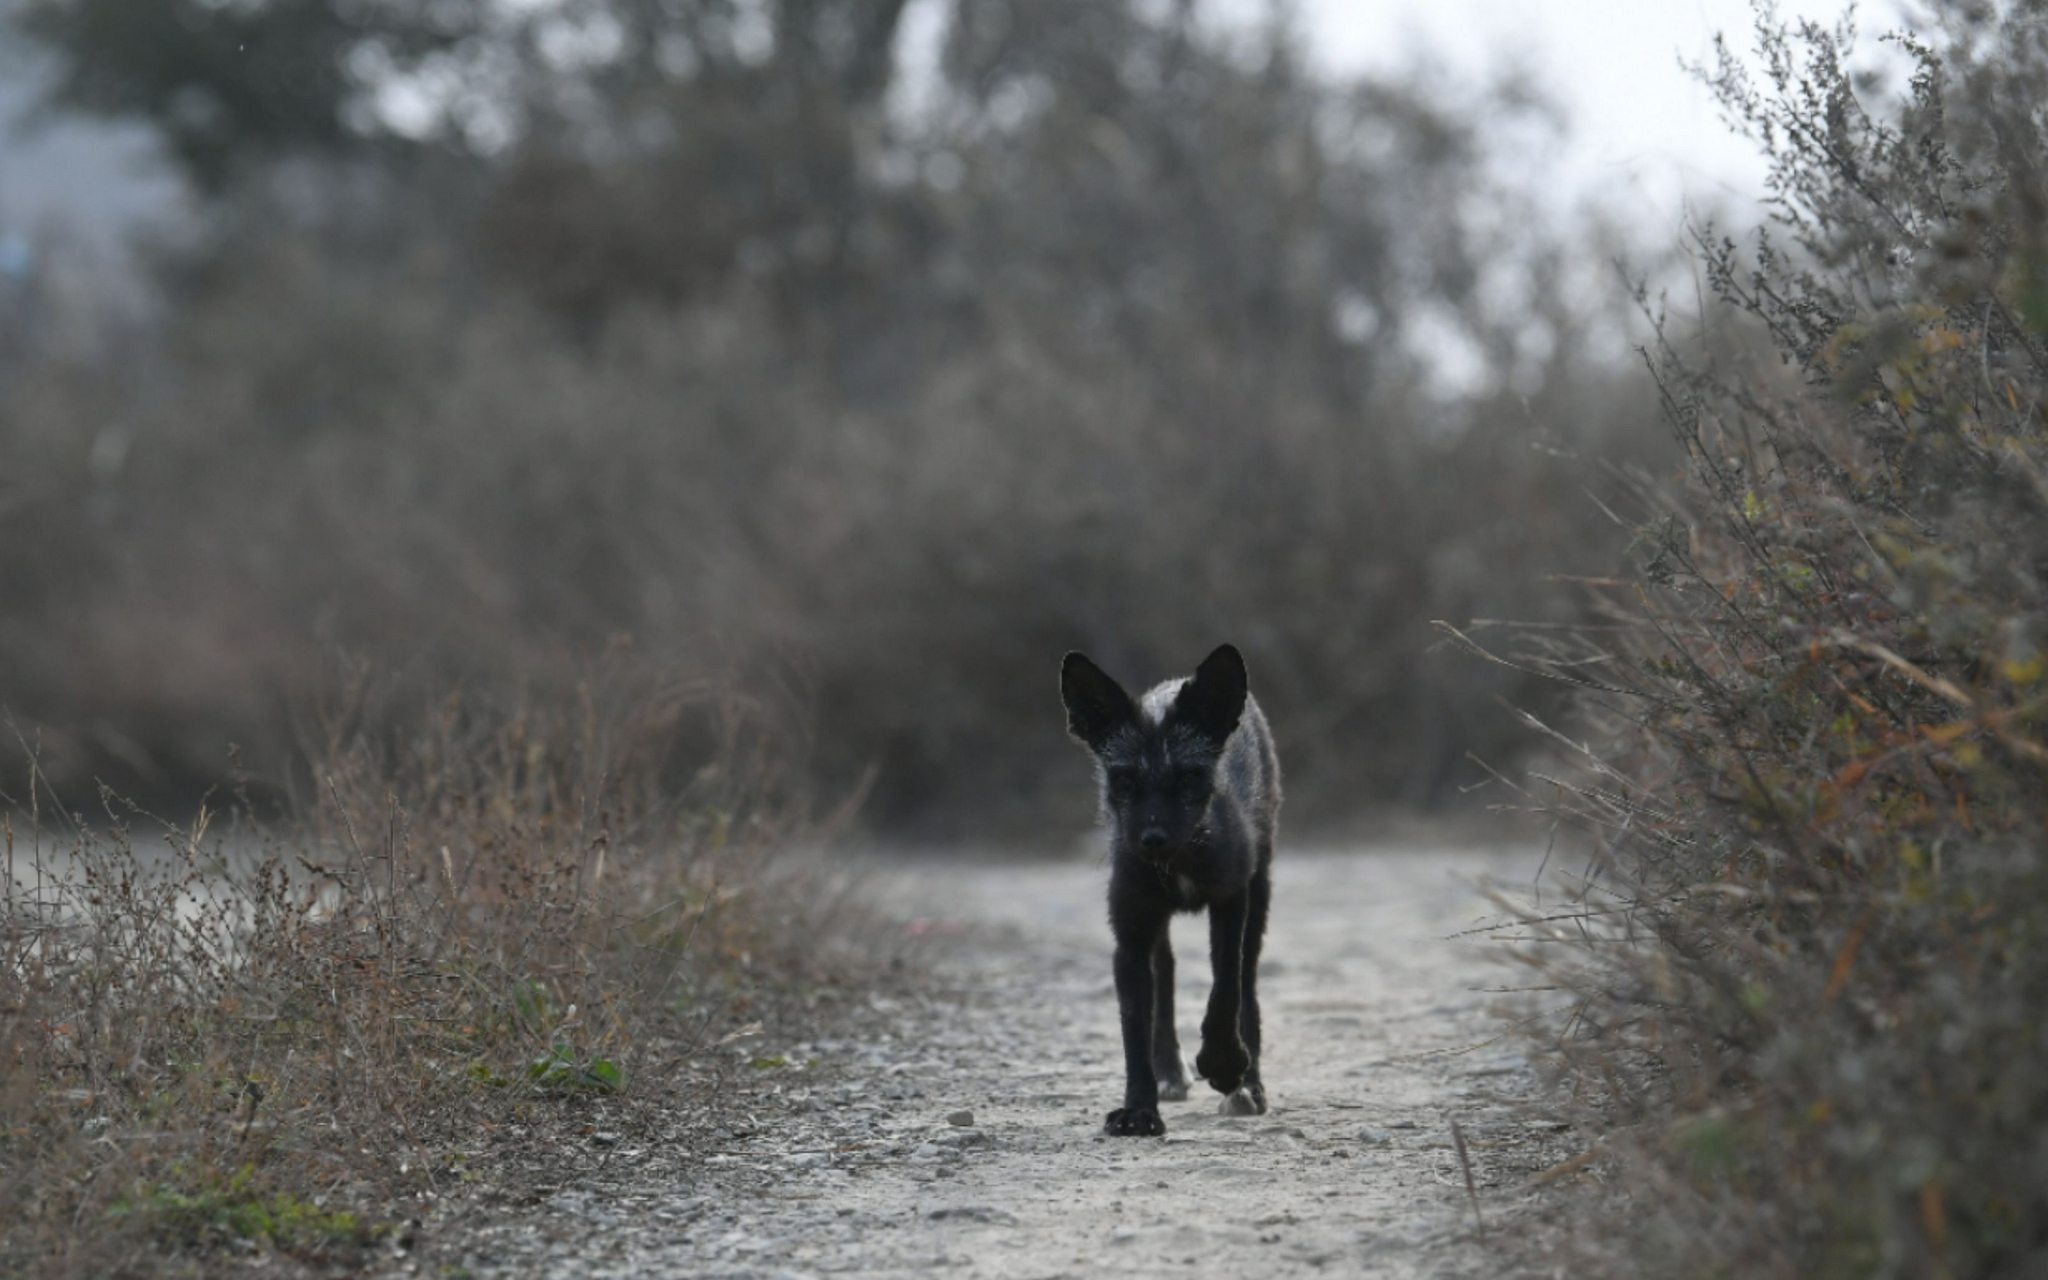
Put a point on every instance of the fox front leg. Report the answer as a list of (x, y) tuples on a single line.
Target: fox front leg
[(1136, 989), (1224, 1059)]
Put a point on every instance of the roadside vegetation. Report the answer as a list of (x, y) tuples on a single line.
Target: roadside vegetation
[(501, 922), (1809, 961)]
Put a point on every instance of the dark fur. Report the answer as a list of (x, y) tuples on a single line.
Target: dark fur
[(1191, 793)]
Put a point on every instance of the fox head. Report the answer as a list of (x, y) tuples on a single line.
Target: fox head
[(1157, 758)]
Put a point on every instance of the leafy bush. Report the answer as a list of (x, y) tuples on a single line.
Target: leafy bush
[(1810, 963)]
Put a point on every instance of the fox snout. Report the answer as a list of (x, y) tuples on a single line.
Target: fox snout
[(1160, 832)]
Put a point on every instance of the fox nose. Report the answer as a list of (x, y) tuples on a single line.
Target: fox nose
[(1152, 838)]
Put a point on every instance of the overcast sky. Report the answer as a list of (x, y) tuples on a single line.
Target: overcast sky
[(1644, 134)]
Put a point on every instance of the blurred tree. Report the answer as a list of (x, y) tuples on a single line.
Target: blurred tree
[(714, 137), (233, 84), (666, 317)]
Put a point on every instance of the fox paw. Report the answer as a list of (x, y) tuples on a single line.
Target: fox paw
[(1248, 1100), (1134, 1122), (1223, 1064)]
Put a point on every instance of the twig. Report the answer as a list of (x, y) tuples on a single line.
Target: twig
[(1471, 1188)]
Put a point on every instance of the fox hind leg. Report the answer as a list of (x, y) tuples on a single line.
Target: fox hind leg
[(1167, 1067), (1249, 1098)]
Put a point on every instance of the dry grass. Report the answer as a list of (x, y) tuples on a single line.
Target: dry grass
[(224, 1037)]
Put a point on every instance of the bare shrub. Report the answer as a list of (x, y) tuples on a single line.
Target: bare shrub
[(224, 1035), (1807, 965)]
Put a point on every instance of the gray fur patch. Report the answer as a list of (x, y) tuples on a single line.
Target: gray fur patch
[(1158, 700)]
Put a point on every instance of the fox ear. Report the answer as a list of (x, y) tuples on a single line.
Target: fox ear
[(1097, 706), (1213, 701)]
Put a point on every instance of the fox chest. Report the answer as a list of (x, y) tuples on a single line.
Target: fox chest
[(1194, 885), (1185, 893)]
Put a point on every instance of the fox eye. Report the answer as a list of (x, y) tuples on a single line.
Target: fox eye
[(1122, 781), (1192, 779)]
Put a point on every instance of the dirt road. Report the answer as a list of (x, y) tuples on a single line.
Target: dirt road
[(961, 1135)]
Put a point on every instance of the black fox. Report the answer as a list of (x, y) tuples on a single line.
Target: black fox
[(1191, 792)]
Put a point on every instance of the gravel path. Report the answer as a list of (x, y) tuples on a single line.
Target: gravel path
[(959, 1132)]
